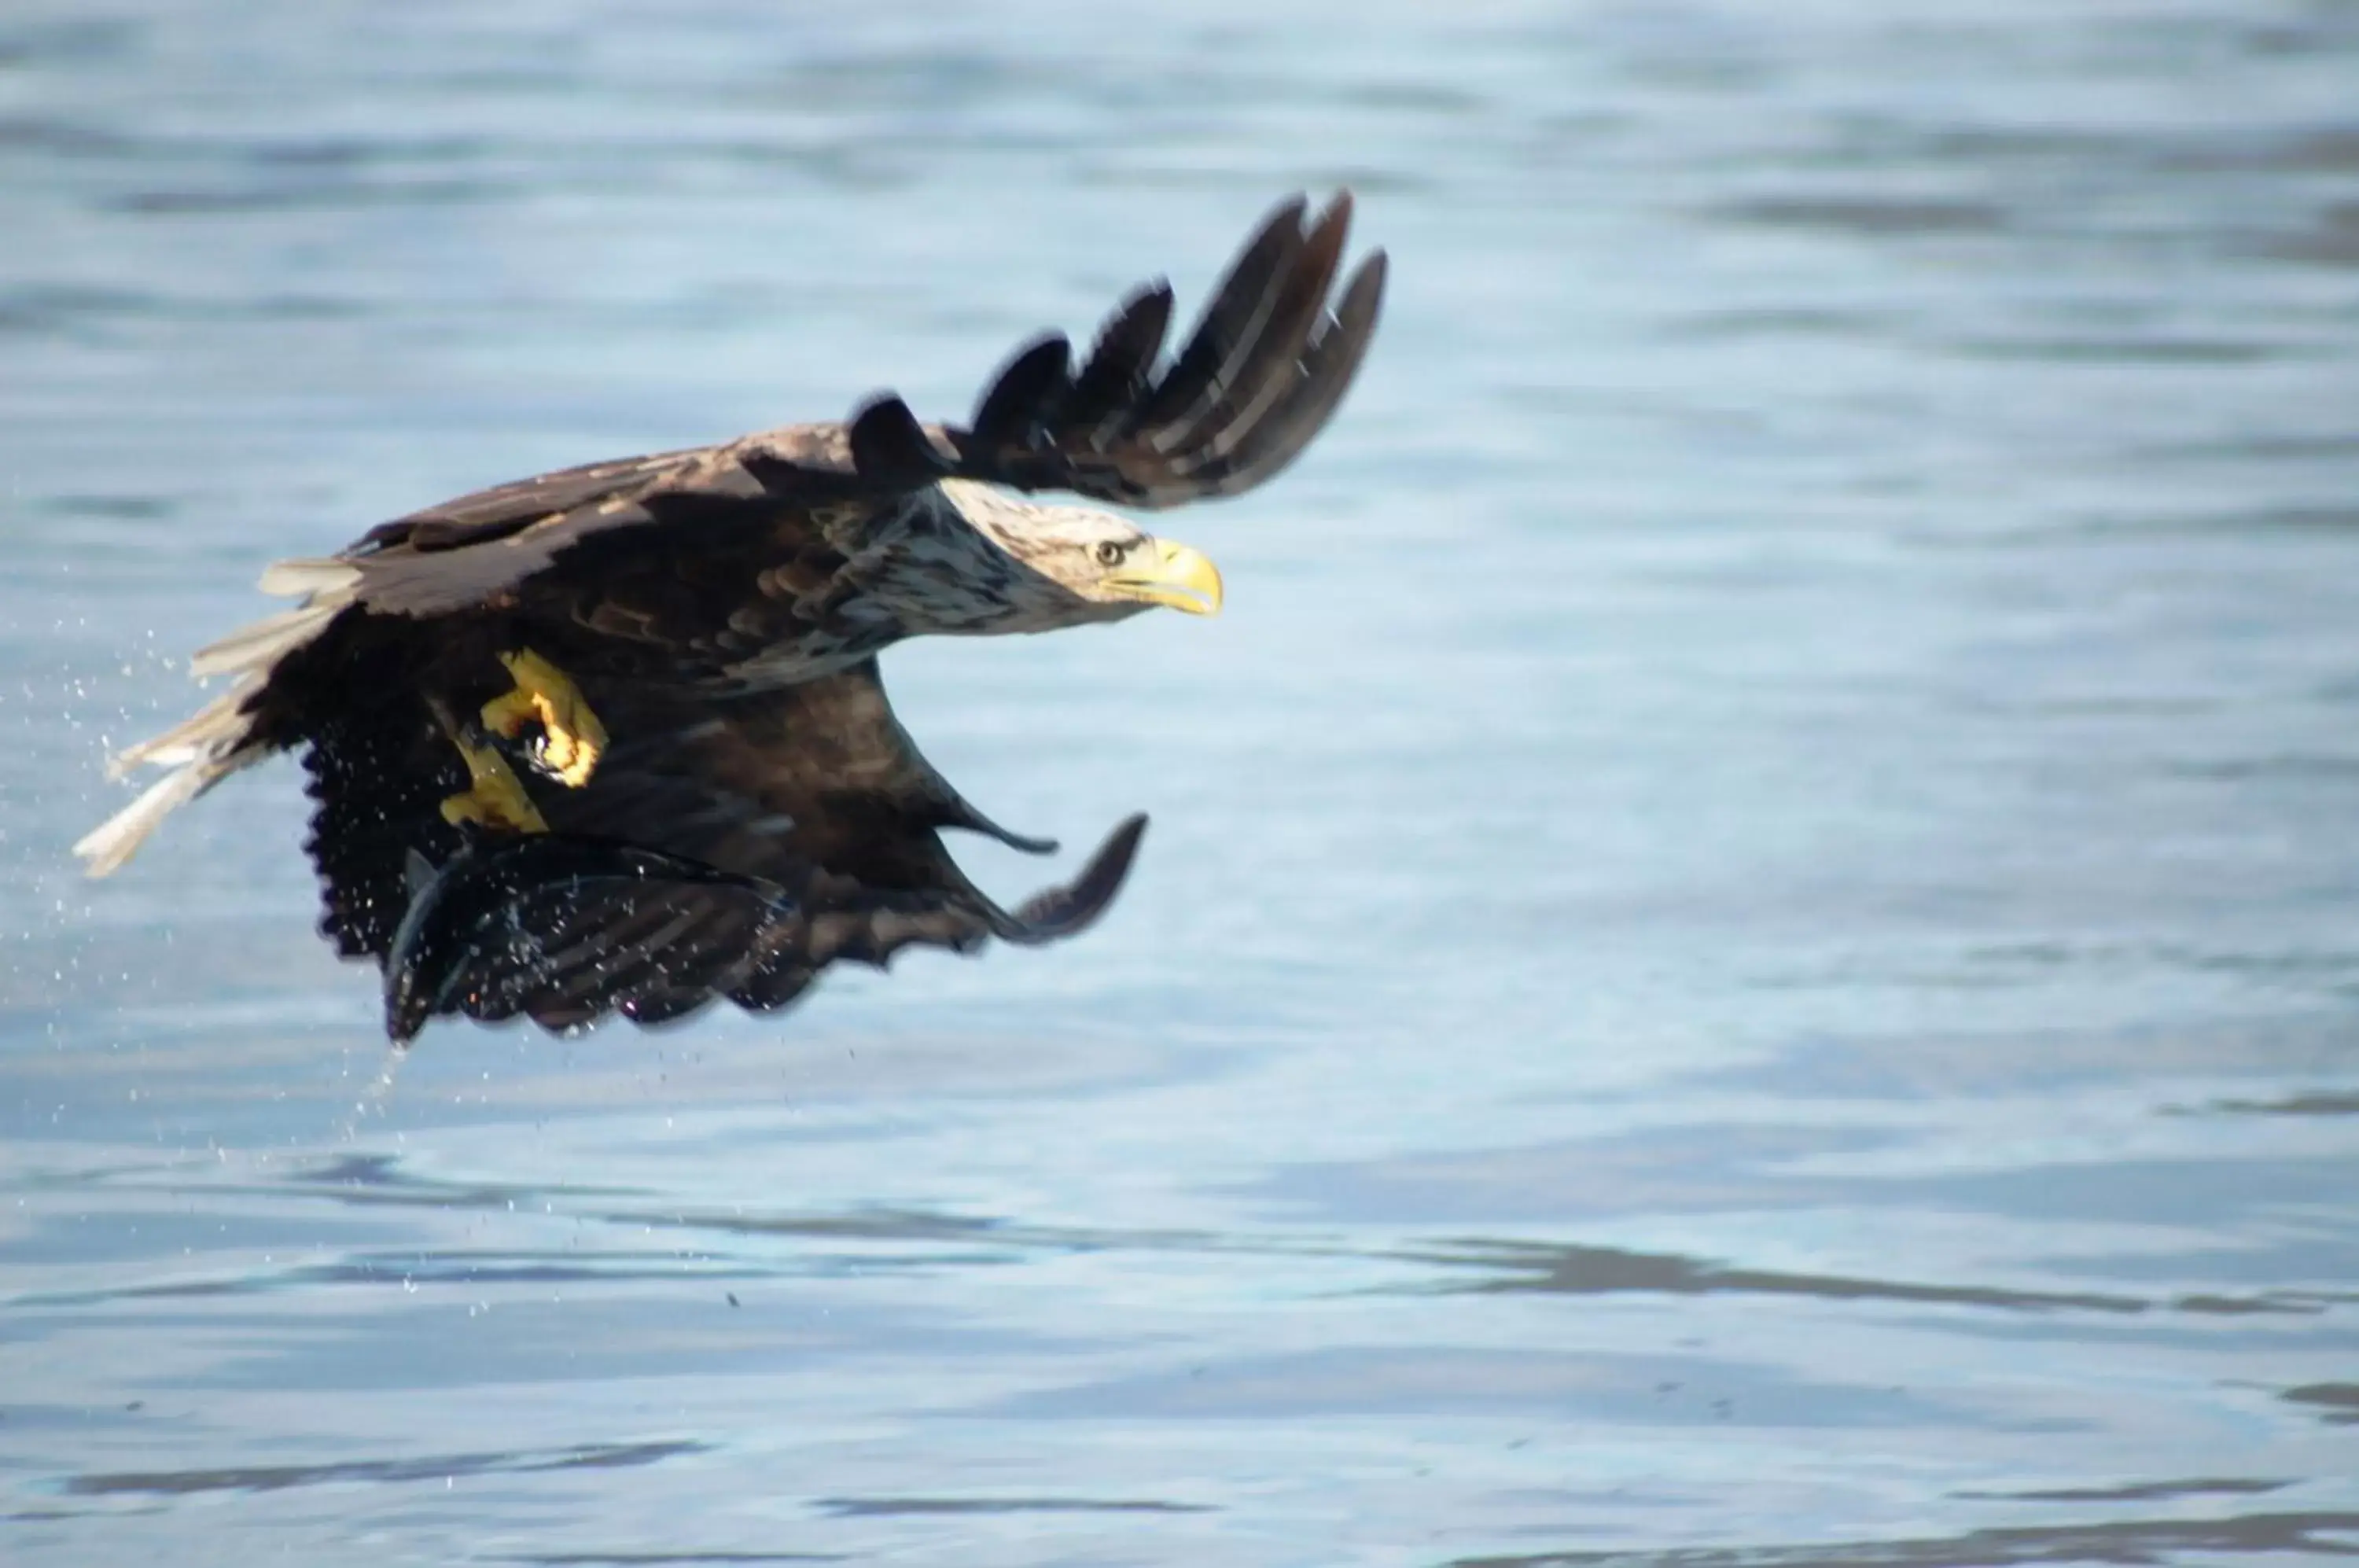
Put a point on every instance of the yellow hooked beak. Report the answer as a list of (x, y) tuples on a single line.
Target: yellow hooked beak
[(1170, 575)]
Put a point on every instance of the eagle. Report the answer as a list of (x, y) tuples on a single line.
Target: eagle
[(612, 740)]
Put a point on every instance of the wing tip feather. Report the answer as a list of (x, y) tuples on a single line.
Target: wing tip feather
[(1250, 377)]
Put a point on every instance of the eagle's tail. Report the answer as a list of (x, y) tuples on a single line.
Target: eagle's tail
[(219, 739)]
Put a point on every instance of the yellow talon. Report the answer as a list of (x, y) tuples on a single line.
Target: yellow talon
[(496, 798), (572, 738)]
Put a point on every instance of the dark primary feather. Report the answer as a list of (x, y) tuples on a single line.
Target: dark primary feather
[(1035, 382), (1265, 366), (1232, 322), (564, 929), (1262, 361), (892, 450), (1249, 453), (1121, 365)]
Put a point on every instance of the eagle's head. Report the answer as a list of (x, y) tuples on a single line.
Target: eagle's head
[(1070, 565)]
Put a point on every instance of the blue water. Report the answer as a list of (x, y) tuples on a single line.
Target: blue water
[(1747, 955)]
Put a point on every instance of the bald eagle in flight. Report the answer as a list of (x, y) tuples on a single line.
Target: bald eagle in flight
[(612, 739)]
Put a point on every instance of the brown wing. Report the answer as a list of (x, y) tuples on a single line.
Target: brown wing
[(1266, 366), (565, 929), (773, 493), (732, 848), (1263, 368)]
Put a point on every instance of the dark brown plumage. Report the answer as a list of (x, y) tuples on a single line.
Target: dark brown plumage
[(612, 738)]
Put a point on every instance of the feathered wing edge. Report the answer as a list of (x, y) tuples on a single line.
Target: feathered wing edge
[(218, 739), (1266, 366), (565, 929)]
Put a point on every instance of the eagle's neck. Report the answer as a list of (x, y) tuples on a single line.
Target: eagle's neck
[(966, 560), (952, 561)]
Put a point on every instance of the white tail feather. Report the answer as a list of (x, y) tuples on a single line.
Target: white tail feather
[(289, 579), (213, 730), (218, 739), (114, 841), (261, 644)]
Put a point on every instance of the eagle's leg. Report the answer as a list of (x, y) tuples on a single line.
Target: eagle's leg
[(572, 740), (497, 798), (494, 796)]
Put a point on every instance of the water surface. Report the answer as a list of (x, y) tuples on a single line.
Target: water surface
[(1747, 955)]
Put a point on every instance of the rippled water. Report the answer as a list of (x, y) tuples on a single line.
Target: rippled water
[(1747, 956)]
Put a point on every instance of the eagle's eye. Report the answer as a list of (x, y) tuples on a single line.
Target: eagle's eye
[(1109, 554)]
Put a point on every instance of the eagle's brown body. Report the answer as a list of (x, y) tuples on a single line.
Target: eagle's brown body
[(715, 799)]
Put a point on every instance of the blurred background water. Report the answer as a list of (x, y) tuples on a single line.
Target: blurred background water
[(1747, 956)]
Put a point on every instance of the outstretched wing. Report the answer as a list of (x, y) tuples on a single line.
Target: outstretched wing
[(731, 848), (1263, 368), (637, 553)]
